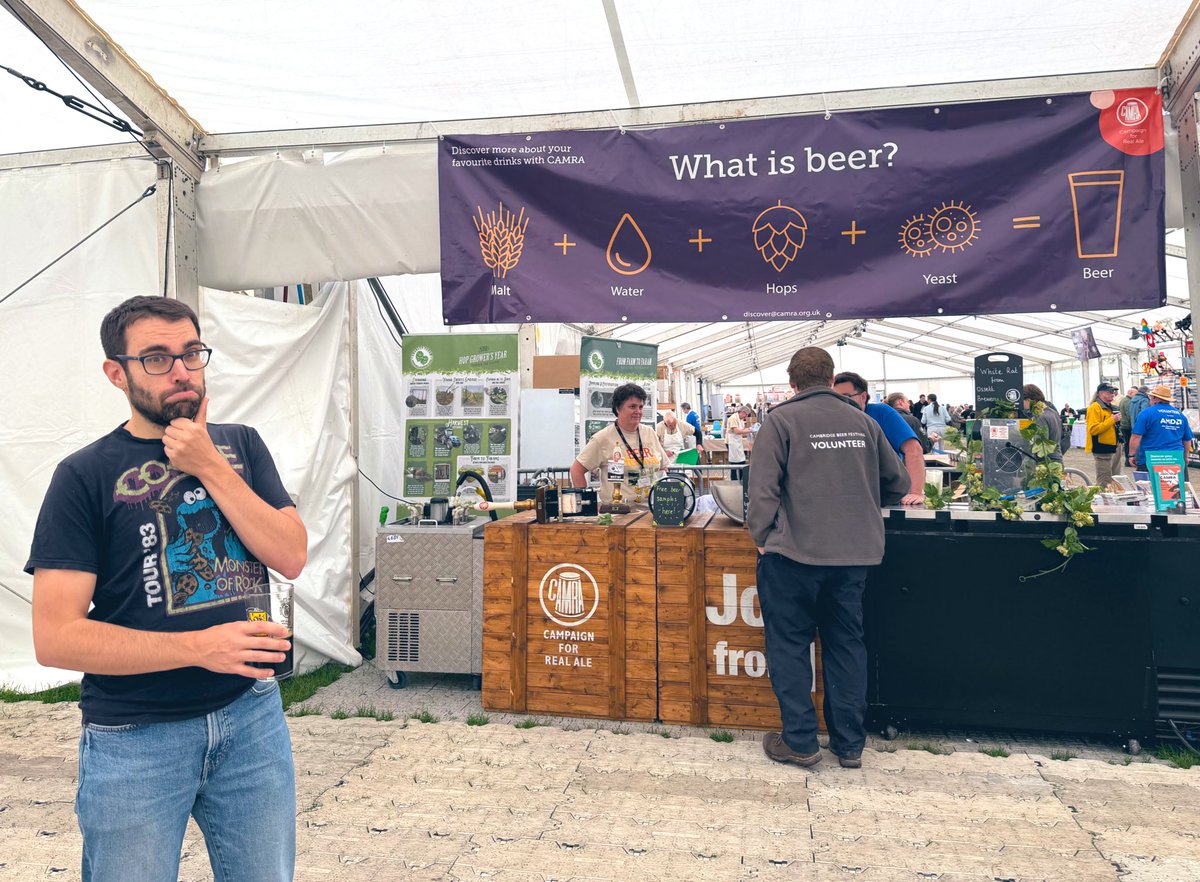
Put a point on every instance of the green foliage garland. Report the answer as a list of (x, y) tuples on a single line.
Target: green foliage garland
[(1073, 505)]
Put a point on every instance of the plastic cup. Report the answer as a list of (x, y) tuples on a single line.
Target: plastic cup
[(274, 603)]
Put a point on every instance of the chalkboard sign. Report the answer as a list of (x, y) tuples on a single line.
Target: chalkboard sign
[(672, 501), (999, 376)]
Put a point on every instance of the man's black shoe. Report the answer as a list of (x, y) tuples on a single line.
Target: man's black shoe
[(851, 762), (776, 748)]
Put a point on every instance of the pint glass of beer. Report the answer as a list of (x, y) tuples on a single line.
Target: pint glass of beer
[(274, 603)]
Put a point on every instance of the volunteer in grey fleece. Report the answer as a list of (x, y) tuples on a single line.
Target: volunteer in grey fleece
[(820, 473)]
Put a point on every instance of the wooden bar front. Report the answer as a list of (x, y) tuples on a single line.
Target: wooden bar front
[(712, 667), (569, 619), (627, 622)]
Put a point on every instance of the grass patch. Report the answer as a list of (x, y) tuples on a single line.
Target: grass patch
[(424, 717), (1063, 755), (1179, 757), (478, 720), (339, 715), (619, 730), (369, 712), (304, 710), (66, 692), (994, 751), (721, 735), (527, 724), (302, 687), (659, 730), (927, 746), (293, 690)]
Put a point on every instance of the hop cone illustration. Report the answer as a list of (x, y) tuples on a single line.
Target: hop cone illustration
[(779, 234), (501, 238)]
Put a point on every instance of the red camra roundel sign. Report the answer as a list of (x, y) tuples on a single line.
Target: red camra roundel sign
[(1131, 120)]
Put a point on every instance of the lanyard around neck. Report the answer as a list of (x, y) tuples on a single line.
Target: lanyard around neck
[(636, 456)]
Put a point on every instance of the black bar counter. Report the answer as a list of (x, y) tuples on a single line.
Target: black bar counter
[(1108, 646)]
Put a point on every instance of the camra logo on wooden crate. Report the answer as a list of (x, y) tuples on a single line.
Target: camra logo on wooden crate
[(568, 595)]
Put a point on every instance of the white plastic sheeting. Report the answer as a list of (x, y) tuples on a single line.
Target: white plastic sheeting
[(292, 215), (282, 369)]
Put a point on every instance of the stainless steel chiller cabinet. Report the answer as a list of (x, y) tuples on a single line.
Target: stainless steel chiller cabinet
[(429, 600)]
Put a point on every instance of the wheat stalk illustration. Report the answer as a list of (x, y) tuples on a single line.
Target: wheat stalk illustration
[(501, 238)]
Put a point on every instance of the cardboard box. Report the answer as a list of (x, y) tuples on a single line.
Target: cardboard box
[(556, 372)]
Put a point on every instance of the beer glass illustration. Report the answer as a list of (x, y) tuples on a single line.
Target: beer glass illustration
[(1096, 203), (568, 600)]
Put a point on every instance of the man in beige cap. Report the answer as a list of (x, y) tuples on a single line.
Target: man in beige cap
[(1159, 427)]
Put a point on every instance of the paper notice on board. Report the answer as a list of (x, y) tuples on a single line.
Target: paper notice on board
[(998, 433)]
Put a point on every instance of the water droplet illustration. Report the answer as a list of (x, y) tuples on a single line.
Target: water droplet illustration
[(628, 250)]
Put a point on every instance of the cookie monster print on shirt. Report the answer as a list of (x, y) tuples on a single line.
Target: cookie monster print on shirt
[(202, 562)]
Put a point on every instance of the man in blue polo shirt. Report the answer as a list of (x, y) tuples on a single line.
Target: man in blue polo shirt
[(1159, 427), (902, 439), (690, 416)]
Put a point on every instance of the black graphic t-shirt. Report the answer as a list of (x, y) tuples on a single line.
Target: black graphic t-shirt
[(165, 559)]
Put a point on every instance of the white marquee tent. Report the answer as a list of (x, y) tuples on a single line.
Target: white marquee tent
[(295, 142)]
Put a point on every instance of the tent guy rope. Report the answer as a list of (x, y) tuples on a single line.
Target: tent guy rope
[(150, 191)]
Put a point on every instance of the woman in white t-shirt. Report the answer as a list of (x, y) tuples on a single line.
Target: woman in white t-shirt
[(627, 453)]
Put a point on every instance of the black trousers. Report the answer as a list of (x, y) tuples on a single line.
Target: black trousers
[(798, 601)]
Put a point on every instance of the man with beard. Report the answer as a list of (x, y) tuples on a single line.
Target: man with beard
[(180, 714)]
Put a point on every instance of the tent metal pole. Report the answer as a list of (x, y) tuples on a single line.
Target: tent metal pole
[(178, 269), (355, 517), (1189, 171)]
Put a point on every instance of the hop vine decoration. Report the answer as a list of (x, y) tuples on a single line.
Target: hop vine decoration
[(1074, 505), (501, 238), (981, 496)]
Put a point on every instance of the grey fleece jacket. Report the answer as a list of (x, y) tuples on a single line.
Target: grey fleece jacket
[(820, 472)]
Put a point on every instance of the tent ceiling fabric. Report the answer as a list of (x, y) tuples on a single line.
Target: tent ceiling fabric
[(275, 65), (280, 64)]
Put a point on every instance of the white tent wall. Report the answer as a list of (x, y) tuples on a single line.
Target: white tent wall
[(55, 399), (380, 409), (283, 369)]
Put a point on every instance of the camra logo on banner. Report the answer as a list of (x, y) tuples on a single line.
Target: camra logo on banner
[(568, 595), (1132, 112)]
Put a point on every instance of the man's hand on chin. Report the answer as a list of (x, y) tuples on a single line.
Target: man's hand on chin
[(189, 446)]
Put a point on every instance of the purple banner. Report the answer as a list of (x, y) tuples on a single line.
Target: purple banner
[(1031, 205)]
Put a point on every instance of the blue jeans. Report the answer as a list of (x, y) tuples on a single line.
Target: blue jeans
[(798, 601), (231, 770)]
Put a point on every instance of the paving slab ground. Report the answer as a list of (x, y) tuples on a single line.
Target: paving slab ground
[(579, 800)]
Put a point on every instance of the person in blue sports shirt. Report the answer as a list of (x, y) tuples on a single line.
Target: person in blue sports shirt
[(899, 436), (1159, 427)]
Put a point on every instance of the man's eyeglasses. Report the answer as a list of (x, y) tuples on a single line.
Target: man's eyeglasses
[(161, 363)]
